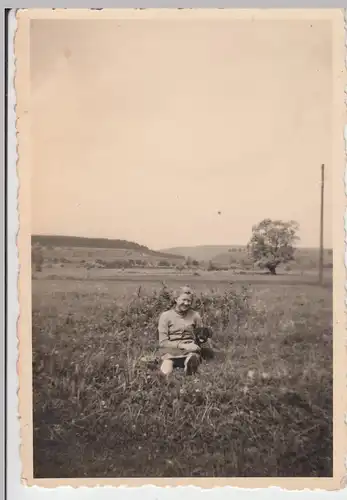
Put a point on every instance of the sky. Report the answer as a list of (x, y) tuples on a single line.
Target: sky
[(145, 130)]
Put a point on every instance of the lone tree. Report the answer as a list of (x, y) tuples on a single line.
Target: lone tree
[(272, 243)]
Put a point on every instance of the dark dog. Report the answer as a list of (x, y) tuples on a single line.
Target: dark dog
[(202, 335)]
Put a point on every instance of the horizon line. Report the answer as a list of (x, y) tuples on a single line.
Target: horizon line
[(161, 249)]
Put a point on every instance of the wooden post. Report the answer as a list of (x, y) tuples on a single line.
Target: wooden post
[(321, 247)]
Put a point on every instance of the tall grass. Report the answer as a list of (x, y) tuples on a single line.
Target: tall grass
[(261, 407)]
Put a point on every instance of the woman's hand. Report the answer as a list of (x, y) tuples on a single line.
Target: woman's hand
[(189, 346)]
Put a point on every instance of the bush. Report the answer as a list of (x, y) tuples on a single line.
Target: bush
[(164, 263)]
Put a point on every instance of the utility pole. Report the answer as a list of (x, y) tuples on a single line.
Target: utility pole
[(321, 228)]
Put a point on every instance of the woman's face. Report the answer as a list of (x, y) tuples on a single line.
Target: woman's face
[(183, 302)]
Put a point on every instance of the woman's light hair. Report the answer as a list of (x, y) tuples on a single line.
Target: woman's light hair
[(183, 290)]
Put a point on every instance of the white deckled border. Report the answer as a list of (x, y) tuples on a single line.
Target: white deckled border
[(345, 219), (13, 185)]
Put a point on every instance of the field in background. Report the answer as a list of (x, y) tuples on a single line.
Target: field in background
[(131, 265), (262, 407)]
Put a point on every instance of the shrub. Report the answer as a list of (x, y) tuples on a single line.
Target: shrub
[(164, 263)]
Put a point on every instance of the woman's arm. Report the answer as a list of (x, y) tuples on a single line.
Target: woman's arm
[(163, 329)]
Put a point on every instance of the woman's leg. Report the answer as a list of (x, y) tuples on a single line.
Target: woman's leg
[(191, 363), (166, 366)]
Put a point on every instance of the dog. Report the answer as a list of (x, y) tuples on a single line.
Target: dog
[(202, 334)]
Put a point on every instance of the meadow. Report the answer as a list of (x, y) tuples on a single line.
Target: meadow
[(261, 407)]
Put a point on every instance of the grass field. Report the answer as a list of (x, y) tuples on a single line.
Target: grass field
[(261, 407)]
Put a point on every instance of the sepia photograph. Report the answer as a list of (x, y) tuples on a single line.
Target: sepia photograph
[(179, 233)]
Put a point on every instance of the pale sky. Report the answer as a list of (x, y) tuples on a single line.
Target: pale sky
[(144, 129)]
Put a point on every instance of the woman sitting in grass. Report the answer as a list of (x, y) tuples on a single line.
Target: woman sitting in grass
[(177, 340)]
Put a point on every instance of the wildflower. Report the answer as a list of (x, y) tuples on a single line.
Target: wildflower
[(250, 374)]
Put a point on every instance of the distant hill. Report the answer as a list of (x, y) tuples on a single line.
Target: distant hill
[(102, 243), (202, 252), (223, 254)]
